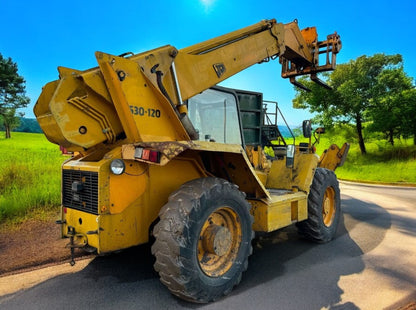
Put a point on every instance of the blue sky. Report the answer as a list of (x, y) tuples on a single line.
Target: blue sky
[(42, 35)]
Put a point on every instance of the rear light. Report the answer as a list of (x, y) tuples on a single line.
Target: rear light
[(147, 155), (154, 156)]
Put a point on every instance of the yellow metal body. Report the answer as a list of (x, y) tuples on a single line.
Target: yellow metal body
[(334, 157), (138, 102), (288, 191), (136, 97), (281, 210), (127, 203)]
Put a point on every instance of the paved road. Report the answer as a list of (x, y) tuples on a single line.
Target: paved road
[(370, 265)]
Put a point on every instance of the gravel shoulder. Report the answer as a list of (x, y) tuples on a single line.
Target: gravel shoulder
[(33, 244)]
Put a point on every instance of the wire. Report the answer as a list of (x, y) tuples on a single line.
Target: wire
[(137, 175)]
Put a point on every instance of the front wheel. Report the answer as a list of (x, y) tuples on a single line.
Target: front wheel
[(203, 239), (324, 208)]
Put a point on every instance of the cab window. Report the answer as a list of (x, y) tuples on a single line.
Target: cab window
[(214, 115)]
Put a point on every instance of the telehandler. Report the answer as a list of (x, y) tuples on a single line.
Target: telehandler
[(162, 153)]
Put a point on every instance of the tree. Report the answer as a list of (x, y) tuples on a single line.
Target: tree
[(12, 94), (391, 107), (354, 87), (409, 113)]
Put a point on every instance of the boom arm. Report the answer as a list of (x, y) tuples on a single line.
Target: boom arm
[(227, 55), (208, 63), (140, 98)]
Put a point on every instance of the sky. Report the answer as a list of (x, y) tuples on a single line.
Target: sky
[(42, 35)]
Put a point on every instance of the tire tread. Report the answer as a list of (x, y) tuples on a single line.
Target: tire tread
[(176, 270)]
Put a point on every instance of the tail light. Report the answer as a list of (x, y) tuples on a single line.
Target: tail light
[(147, 155)]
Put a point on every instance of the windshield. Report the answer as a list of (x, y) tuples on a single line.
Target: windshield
[(214, 115)]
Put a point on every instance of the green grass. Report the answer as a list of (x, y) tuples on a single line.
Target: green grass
[(29, 175), (383, 162), (30, 170)]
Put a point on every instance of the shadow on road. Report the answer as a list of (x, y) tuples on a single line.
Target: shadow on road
[(305, 275), (285, 272)]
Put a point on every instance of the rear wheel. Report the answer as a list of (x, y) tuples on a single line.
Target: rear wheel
[(203, 239), (324, 208)]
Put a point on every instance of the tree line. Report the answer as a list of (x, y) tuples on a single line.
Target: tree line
[(371, 90), (24, 124)]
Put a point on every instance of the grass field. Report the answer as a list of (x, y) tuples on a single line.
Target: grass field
[(383, 162), (29, 175), (30, 170)]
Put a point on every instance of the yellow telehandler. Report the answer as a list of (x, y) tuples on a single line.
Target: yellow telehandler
[(163, 153)]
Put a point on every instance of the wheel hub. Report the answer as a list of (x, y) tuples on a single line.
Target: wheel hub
[(327, 206), (217, 240)]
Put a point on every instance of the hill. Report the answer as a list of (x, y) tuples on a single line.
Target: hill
[(26, 125), (285, 131)]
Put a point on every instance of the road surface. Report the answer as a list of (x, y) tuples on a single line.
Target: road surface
[(371, 264)]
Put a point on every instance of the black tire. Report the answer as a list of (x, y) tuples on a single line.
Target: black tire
[(195, 263), (324, 208)]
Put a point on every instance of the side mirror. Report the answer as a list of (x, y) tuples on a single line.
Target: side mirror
[(319, 131), (307, 128), (290, 155)]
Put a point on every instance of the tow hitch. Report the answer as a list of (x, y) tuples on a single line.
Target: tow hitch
[(75, 241)]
